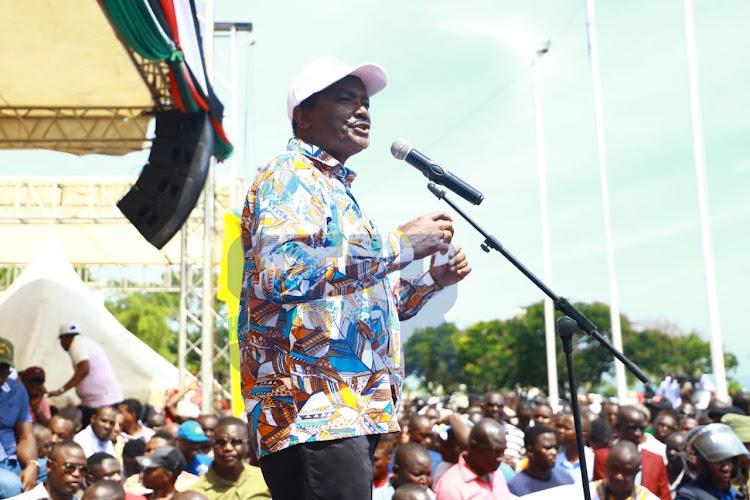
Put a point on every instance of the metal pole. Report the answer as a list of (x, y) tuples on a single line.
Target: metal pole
[(549, 308), (614, 308), (717, 348), (207, 322), (182, 339)]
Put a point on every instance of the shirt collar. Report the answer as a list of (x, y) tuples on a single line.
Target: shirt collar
[(324, 161), (467, 473)]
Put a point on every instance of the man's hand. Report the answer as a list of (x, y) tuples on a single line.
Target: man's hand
[(29, 476), (55, 393), (451, 272), (429, 234)]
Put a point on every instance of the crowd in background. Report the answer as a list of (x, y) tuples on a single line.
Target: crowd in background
[(494, 445)]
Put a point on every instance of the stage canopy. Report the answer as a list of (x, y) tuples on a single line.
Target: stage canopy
[(83, 77)]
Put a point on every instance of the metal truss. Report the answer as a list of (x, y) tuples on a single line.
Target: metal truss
[(80, 130), (37, 203)]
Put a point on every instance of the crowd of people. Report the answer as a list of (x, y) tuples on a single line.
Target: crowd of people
[(122, 449), (502, 446), (494, 446)]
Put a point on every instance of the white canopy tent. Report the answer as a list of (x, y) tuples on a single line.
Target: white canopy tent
[(48, 293)]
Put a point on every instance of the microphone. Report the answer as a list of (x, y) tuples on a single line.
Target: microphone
[(402, 150)]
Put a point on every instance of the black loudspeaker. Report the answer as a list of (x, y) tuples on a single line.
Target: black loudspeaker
[(171, 182)]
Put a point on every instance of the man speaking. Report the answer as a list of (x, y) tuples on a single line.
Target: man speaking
[(318, 328)]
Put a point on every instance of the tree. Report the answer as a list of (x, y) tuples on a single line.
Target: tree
[(431, 355), (152, 317), (509, 353)]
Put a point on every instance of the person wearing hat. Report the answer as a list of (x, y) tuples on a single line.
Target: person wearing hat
[(713, 454), (93, 378), (740, 425), (33, 379), (318, 324), (190, 440), (160, 471), (19, 467)]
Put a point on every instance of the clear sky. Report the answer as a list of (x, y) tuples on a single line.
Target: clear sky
[(461, 91)]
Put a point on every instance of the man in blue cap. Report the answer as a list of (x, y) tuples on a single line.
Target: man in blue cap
[(190, 438), (18, 458)]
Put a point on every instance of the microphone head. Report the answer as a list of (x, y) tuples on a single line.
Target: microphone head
[(400, 148)]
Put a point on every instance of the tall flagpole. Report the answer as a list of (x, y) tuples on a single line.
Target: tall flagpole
[(549, 311), (614, 307), (717, 348)]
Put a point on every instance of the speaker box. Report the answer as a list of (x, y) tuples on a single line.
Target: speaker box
[(171, 182)]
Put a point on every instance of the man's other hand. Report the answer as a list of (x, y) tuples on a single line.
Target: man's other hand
[(450, 272), (429, 234)]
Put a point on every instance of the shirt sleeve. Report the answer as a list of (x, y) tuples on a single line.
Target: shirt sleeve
[(79, 350), (24, 413), (410, 295), (298, 252)]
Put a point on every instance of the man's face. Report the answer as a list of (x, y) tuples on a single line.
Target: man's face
[(230, 445), (486, 456), (339, 122), (418, 470), (449, 449), (687, 410), (664, 426), (35, 388), (61, 429), (675, 449), (632, 426), (687, 424), (189, 449), (66, 340), (544, 451), (108, 469), (721, 473), (128, 418), (155, 477), (117, 427), (566, 429), (66, 470), (43, 442), (380, 460), (493, 406), (421, 433), (208, 424), (103, 423), (621, 474), (543, 415), (609, 411), (4, 372), (155, 421)]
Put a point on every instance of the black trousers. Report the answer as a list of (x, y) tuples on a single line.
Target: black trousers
[(325, 470)]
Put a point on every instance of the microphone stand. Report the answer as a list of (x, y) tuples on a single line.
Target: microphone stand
[(571, 320)]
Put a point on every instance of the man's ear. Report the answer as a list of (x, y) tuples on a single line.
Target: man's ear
[(301, 117)]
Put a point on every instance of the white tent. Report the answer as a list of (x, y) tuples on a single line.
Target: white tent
[(48, 293)]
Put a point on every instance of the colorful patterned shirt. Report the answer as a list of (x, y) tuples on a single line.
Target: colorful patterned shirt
[(318, 327), (599, 492)]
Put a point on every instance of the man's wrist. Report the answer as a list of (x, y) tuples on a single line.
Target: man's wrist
[(33, 461)]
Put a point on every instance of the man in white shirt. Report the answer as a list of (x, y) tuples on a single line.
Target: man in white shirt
[(95, 437), (93, 379)]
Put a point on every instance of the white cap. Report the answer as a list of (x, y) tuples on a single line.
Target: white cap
[(70, 328), (186, 409), (322, 73)]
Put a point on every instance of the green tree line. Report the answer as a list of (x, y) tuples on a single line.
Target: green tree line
[(508, 353)]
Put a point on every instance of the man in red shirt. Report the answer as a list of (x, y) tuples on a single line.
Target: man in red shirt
[(631, 423)]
